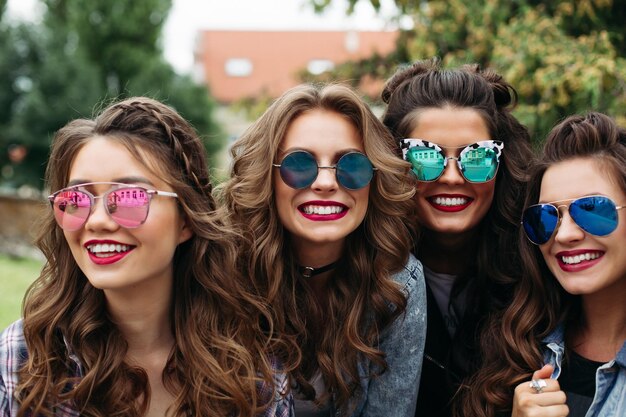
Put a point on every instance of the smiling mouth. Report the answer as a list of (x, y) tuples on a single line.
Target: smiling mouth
[(450, 201), (322, 210), (105, 250), (577, 259)]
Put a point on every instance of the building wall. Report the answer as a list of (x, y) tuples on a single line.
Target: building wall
[(18, 222), (275, 58)]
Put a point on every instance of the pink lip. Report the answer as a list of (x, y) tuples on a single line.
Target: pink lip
[(449, 209), (579, 266), (323, 217), (109, 259)]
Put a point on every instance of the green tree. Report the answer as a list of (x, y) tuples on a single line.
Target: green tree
[(563, 57), (83, 54)]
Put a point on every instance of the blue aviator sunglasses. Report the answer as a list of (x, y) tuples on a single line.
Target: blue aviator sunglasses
[(596, 215), (299, 169)]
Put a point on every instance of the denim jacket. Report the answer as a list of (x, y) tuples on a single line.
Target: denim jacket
[(610, 397), (394, 393)]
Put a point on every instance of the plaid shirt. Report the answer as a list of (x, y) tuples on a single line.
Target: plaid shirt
[(13, 354)]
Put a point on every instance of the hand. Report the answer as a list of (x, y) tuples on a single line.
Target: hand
[(550, 402)]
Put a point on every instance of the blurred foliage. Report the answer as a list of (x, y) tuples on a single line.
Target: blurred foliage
[(563, 56), (253, 107), (80, 57)]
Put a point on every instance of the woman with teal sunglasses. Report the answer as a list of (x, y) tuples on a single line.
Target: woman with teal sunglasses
[(468, 156), (560, 347)]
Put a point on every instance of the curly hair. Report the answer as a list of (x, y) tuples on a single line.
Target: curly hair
[(222, 332), (332, 339), (494, 267), (512, 342)]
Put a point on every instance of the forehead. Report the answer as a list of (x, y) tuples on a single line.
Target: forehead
[(450, 126), (579, 177), (105, 159), (321, 131)]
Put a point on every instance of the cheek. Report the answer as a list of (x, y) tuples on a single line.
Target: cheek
[(282, 198), (363, 197)]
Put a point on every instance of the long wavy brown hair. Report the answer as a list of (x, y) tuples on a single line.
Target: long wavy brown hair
[(512, 343), (496, 262), (333, 338), (222, 332)]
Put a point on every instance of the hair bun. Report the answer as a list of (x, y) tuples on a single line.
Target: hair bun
[(407, 72), (503, 93)]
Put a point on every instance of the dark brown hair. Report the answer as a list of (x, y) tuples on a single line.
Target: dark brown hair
[(335, 338), (511, 345), (425, 85), (219, 355)]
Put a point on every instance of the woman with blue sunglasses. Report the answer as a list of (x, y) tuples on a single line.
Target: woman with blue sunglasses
[(324, 204), (139, 309), (560, 347), (468, 155)]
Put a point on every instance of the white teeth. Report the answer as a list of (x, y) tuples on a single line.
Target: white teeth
[(456, 201), (322, 209), (572, 260), (107, 248)]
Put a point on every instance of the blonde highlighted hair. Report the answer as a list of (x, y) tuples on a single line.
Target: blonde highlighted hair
[(332, 339)]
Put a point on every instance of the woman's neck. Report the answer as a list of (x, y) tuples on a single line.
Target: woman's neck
[(145, 323), (447, 253), (314, 255), (602, 329)]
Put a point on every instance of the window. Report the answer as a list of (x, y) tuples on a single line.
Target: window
[(238, 67), (318, 66)]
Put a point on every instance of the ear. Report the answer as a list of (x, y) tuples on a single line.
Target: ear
[(186, 233)]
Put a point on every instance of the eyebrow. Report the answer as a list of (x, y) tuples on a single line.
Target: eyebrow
[(123, 180)]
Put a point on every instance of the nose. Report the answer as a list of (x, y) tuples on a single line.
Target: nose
[(568, 231), (451, 173), (99, 219), (326, 179)]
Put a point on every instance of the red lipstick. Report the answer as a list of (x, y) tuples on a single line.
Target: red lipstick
[(105, 252), (583, 264), (450, 207), (309, 212)]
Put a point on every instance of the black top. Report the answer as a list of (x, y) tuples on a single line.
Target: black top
[(443, 368), (578, 381)]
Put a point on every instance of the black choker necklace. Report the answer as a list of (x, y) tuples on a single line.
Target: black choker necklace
[(309, 271)]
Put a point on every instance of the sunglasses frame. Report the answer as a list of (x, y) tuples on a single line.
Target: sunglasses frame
[(496, 145), (92, 203), (560, 217), (325, 167)]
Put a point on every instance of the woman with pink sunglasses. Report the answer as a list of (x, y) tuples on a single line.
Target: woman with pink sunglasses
[(469, 156), (139, 309), (559, 349)]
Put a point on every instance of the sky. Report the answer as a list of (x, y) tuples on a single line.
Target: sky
[(187, 17)]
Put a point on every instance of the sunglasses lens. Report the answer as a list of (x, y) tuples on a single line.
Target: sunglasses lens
[(128, 206), (298, 169), (428, 163), (539, 222), (71, 209), (596, 215), (354, 171), (479, 164)]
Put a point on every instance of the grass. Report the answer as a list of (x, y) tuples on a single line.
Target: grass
[(15, 276)]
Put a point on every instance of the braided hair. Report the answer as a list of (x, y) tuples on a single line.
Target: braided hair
[(222, 333)]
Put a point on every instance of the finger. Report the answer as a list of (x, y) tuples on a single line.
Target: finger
[(549, 385), (546, 399), (544, 373), (560, 410)]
